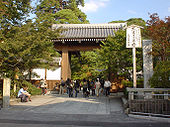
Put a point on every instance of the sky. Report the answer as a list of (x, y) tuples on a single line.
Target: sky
[(104, 11)]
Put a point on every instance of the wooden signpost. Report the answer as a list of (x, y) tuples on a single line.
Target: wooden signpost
[(133, 40)]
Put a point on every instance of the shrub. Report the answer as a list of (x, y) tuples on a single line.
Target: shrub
[(127, 83), (161, 76), (140, 83), (31, 88), (0, 93)]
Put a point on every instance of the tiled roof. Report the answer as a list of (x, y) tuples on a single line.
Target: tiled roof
[(87, 32)]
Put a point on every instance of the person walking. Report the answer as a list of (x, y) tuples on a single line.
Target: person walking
[(107, 85), (43, 86), (76, 87), (62, 85), (93, 87), (69, 87), (102, 86), (89, 85), (85, 86), (98, 85)]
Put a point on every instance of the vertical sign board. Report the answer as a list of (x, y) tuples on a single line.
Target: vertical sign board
[(133, 40), (133, 37)]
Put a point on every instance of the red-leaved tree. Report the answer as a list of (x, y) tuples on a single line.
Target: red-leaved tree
[(159, 31)]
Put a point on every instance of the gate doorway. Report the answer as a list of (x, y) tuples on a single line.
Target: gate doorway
[(81, 37)]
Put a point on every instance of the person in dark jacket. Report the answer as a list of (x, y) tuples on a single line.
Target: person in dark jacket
[(76, 87), (93, 87), (69, 87)]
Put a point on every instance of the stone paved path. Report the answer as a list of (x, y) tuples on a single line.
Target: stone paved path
[(62, 104), (62, 111)]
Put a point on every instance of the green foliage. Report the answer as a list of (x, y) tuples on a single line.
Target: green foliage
[(128, 83), (136, 21), (119, 21), (161, 76), (31, 88), (131, 21), (0, 93), (140, 83), (12, 12), (85, 66), (67, 16), (114, 57), (112, 60), (26, 47), (60, 12)]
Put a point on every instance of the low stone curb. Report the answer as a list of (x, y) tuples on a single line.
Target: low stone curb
[(160, 119)]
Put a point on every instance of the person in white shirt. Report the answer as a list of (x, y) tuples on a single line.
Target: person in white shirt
[(23, 94), (43, 86), (107, 85)]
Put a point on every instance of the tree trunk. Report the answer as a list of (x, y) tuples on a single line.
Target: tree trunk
[(30, 73)]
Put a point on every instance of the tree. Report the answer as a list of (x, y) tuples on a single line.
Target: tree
[(159, 31), (85, 66), (29, 47), (63, 12), (24, 45), (160, 78), (135, 21), (114, 58), (12, 13)]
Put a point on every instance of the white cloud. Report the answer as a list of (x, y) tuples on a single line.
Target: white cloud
[(104, 0), (94, 5), (168, 9), (132, 12)]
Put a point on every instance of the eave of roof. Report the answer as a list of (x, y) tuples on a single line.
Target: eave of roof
[(85, 32)]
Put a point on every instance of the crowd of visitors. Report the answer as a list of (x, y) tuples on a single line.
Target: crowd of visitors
[(72, 87), (89, 87)]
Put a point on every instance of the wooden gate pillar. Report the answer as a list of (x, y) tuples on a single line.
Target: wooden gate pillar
[(65, 65)]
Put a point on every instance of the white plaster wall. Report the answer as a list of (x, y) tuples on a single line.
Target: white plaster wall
[(40, 72), (51, 75), (54, 75)]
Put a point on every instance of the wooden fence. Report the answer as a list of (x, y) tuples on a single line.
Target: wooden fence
[(149, 101)]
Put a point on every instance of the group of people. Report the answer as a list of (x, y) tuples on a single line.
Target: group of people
[(89, 87), (93, 87)]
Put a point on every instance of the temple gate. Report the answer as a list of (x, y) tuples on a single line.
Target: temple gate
[(81, 37)]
